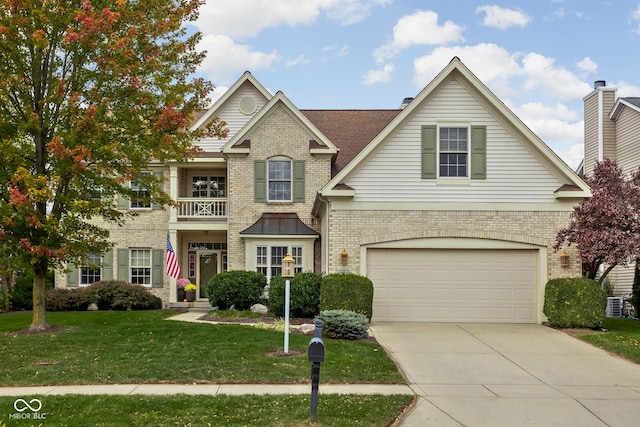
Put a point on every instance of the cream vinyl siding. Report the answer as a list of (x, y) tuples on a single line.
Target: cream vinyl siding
[(628, 135), (590, 132), (393, 171), (230, 113)]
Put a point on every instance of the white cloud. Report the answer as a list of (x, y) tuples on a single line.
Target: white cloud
[(225, 57), (559, 82), (635, 19), (247, 18), (382, 75), (502, 18), (626, 89), (299, 60), (572, 155), (587, 65), (489, 62), (420, 28), (540, 111)]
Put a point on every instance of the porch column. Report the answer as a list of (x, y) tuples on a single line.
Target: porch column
[(173, 193)]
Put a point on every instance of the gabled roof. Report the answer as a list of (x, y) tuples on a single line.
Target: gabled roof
[(237, 143), (349, 130), (631, 102), (246, 77), (457, 68)]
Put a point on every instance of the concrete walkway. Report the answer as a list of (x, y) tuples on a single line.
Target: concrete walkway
[(497, 375)]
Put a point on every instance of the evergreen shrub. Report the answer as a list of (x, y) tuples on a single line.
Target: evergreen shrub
[(304, 295), (238, 288), (575, 302), (344, 324), (347, 291)]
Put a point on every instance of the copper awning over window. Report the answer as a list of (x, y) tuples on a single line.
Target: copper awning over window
[(280, 224)]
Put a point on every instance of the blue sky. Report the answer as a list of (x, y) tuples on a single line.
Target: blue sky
[(539, 57)]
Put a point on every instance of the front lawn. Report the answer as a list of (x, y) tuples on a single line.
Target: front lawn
[(623, 338), (142, 347), (182, 410)]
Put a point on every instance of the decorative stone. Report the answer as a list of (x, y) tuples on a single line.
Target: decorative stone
[(92, 307), (259, 308), (307, 328)]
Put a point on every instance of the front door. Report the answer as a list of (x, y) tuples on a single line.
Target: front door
[(207, 268)]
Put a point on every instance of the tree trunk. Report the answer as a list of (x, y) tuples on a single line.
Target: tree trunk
[(39, 321)]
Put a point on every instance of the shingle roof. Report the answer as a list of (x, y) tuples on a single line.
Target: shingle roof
[(349, 130), (633, 100)]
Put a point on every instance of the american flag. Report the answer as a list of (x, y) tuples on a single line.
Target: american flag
[(173, 269)]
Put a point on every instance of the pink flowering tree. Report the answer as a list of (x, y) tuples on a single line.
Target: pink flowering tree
[(606, 227), (91, 92)]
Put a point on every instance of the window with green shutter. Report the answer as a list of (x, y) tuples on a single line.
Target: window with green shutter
[(454, 152)]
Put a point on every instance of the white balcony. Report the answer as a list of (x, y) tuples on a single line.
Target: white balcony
[(202, 208)]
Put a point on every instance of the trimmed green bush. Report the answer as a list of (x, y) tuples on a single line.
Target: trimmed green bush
[(304, 295), (344, 324), (239, 288), (575, 302), (106, 294), (346, 291)]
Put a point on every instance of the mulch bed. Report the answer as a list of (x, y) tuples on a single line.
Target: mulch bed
[(261, 319)]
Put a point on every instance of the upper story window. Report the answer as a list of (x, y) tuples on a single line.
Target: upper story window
[(279, 176), (453, 152), (208, 186), (269, 259), (453, 147), (140, 199)]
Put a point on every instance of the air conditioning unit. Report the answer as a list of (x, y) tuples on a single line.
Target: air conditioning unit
[(614, 306)]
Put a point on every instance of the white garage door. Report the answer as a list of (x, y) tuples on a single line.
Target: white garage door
[(454, 285)]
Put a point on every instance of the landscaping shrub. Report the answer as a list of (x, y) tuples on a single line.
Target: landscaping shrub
[(304, 295), (345, 291), (68, 299), (120, 295), (5, 299), (344, 324), (239, 288), (22, 291), (107, 295), (575, 302)]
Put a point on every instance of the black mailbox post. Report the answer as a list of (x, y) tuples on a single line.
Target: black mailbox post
[(316, 356)]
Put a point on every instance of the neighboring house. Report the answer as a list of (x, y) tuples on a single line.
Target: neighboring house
[(449, 205), (612, 130)]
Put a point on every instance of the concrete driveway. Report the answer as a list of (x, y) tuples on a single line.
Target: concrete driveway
[(510, 375)]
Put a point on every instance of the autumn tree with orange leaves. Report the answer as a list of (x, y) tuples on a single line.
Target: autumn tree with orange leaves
[(90, 93)]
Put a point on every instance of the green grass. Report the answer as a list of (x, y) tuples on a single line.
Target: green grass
[(182, 410), (623, 338), (142, 347)]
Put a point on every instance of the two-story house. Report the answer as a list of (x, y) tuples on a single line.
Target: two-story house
[(612, 130), (450, 204)]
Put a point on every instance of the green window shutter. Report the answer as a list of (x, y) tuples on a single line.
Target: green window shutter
[(298, 181), (478, 152), (157, 264), (107, 266), (160, 176), (123, 264), (260, 181), (429, 152), (123, 202), (73, 278)]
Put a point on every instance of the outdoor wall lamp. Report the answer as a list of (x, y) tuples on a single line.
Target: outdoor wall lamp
[(344, 257), (564, 259)]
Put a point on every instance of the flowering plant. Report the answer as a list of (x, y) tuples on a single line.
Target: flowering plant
[(190, 287), (181, 283)]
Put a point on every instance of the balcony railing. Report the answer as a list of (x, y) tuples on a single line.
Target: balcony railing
[(202, 208)]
